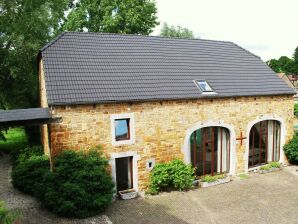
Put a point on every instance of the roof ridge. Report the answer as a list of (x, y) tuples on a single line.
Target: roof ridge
[(247, 51), (52, 41), (146, 36), (140, 35)]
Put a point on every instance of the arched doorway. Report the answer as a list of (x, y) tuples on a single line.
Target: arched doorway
[(264, 143), (210, 150)]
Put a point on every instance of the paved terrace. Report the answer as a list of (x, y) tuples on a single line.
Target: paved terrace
[(262, 198)]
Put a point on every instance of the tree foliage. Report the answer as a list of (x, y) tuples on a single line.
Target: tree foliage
[(112, 16), (285, 64), (27, 25), (175, 31)]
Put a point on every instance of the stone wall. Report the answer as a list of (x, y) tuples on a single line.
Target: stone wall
[(161, 126)]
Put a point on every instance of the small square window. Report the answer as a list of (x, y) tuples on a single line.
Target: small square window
[(204, 86), (122, 129)]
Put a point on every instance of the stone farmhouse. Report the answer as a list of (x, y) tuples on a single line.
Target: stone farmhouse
[(148, 100)]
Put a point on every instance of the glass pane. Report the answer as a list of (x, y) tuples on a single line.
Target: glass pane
[(258, 144), (276, 139), (264, 140), (204, 86), (223, 150), (210, 148), (121, 129), (228, 152), (196, 151)]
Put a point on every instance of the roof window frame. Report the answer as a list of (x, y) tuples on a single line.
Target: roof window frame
[(211, 91)]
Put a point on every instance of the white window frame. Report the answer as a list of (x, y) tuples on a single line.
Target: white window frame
[(204, 92), (131, 118)]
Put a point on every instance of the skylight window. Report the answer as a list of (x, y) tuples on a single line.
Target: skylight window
[(204, 86)]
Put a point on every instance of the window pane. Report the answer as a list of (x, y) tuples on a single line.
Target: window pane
[(121, 129), (204, 86), (276, 140)]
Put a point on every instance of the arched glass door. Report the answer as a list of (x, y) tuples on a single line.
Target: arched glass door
[(264, 143), (210, 150)]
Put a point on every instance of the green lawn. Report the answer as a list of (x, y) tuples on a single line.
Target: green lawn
[(15, 139)]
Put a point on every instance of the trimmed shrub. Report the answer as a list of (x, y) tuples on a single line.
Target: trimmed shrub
[(79, 186), (291, 150), (173, 175), (27, 175)]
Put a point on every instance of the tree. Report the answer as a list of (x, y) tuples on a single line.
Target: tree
[(283, 64), (295, 57), (25, 26), (286, 64), (175, 31), (112, 16), (274, 65)]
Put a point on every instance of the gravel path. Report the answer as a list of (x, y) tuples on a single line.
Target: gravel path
[(31, 210)]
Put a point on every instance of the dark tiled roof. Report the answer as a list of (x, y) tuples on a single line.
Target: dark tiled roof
[(92, 67), (24, 116)]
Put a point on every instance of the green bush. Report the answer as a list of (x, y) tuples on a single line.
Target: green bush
[(275, 164), (265, 167), (27, 152), (270, 165), (296, 110), (7, 216), (291, 150), (173, 175), (27, 174), (21, 154), (209, 178), (79, 186)]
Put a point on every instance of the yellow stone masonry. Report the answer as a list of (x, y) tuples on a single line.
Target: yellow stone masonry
[(161, 126)]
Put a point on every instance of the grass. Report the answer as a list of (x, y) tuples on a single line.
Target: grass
[(270, 165), (15, 139), (209, 178)]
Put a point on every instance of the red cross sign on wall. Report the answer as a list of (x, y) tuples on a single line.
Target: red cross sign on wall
[(241, 138)]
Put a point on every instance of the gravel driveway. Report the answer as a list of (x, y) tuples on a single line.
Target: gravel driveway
[(268, 198)]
